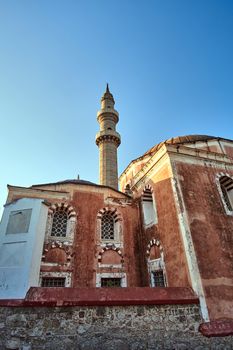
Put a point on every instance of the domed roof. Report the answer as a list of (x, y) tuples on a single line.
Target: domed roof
[(71, 181), (181, 140)]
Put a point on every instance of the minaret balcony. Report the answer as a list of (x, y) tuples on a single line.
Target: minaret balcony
[(108, 136)]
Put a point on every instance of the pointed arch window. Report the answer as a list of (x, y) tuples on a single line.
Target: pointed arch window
[(149, 208), (226, 184), (107, 227)]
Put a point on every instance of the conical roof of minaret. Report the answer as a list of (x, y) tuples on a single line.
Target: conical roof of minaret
[(107, 95)]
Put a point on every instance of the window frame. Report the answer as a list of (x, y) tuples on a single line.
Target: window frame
[(43, 279), (121, 275), (66, 275), (223, 193), (148, 197), (113, 279), (109, 216), (71, 223)]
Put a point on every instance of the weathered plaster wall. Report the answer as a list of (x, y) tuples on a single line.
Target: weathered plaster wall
[(100, 328), (167, 230), (80, 260), (87, 243), (211, 230)]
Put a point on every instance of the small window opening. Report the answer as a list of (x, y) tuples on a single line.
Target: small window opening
[(53, 282), (111, 282), (158, 278), (226, 184), (149, 208)]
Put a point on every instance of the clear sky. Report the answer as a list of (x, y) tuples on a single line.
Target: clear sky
[(169, 64)]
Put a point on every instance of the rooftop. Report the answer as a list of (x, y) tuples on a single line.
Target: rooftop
[(183, 139)]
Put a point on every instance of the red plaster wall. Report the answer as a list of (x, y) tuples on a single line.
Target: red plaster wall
[(86, 249), (56, 255), (111, 257), (211, 231), (167, 231)]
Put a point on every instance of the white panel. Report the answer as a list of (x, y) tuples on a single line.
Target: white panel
[(12, 254), (21, 248), (149, 213), (19, 221)]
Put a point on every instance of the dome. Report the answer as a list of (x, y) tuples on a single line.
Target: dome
[(182, 140)]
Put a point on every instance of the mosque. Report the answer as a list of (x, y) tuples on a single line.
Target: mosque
[(168, 225)]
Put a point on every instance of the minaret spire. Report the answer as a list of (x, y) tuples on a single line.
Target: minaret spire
[(107, 139)]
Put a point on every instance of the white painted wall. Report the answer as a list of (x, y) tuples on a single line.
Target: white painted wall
[(22, 232)]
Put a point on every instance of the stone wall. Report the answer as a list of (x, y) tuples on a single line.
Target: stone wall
[(106, 327)]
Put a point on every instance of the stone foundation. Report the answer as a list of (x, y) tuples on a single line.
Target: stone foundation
[(106, 327)]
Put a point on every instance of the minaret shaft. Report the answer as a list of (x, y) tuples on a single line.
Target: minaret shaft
[(108, 173), (107, 139)]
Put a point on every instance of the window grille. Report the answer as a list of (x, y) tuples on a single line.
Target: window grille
[(226, 184), (158, 278), (59, 225), (110, 282), (107, 227), (53, 282)]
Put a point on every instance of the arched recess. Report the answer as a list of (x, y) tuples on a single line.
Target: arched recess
[(225, 188), (110, 248), (109, 226), (149, 209), (110, 272), (61, 222), (57, 252), (155, 263)]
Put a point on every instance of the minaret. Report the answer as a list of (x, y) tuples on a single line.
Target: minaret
[(107, 139)]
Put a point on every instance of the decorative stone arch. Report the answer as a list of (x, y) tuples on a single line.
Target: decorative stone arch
[(71, 222), (151, 244), (156, 267), (58, 245), (116, 216), (112, 211), (148, 187), (149, 209), (64, 206), (110, 247), (226, 196)]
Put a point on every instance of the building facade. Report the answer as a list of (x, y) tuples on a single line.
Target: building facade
[(170, 224)]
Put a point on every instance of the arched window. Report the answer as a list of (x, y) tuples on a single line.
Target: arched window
[(61, 222), (149, 208), (107, 227), (156, 266), (226, 184), (59, 225)]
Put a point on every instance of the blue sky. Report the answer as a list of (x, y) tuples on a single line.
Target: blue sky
[(169, 64)]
